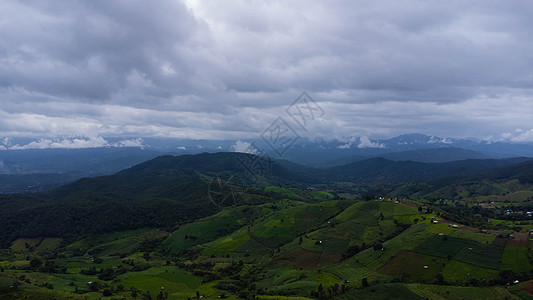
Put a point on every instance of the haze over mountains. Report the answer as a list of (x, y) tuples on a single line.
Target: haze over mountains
[(23, 164)]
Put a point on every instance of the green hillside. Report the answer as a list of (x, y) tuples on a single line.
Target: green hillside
[(339, 249), (158, 231)]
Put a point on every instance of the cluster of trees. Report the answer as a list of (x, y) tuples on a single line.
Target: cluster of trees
[(105, 204), (107, 274), (331, 292)]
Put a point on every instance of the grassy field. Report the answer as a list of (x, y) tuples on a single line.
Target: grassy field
[(202, 231), (516, 259), (458, 272), (320, 195), (518, 196), (178, 283), (283, 191), (286, 248), (483, 238), (225, 245), (456, 292), (462, 249), (285, 225), (482, 255), (367, 262), (413, 266), (36, 244), (116, 243), (442, 246)]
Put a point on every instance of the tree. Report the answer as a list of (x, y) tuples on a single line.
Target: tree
[(35, 263), (364, 282), (377, 246), (107, 274), (146, 255), (147, 296), (160, 296), (439, 279), (94, 286)]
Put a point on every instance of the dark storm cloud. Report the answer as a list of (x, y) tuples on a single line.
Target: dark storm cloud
[(90, 50), (226, 69)]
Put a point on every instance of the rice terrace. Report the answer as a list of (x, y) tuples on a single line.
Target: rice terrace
[(281, 243)]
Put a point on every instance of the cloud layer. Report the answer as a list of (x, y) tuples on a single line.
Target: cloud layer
[(226, 70), (72, 143)]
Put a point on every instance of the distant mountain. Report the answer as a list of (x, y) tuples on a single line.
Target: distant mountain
[(85, 162), (71, 164), (344, 150), (432, 155), (417, 140), (383, 170), (38, 170), (492, 149)]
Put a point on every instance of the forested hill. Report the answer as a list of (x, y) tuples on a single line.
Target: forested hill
[(245, 168), (169, 190), (162, 192)]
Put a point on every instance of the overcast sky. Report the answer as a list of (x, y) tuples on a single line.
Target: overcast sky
[(228, 69)]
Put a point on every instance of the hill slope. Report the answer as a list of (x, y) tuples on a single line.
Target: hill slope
[(161, 192), (169, 190)]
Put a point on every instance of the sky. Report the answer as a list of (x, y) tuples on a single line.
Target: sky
[(82, 71)]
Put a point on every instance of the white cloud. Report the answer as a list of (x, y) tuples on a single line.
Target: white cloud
[(138, 143), (365, 142), (74, 143), (439, 140), (77, 143), (522, 136), (348, 140), (181, 148), (244, 147)]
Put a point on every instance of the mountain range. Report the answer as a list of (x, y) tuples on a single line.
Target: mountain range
[(37, 170)]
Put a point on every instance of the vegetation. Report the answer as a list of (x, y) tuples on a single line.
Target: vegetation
[(152, 232)]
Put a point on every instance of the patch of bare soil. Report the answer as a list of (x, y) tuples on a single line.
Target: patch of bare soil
[(519, 239)]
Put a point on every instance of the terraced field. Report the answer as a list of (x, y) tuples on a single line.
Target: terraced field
[(285, 248)]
